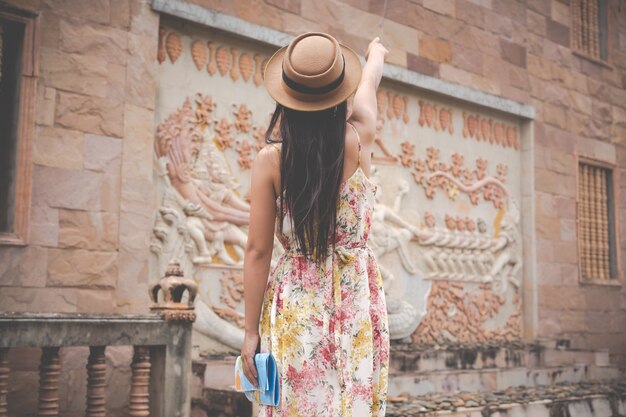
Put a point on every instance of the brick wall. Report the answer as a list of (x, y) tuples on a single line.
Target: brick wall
[(92, 204)]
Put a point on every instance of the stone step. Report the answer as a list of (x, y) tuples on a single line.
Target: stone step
[(494, 379), (408, 359), (593, 399)]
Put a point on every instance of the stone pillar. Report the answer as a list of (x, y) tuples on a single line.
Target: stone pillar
[(49, 372), (4, 380), (96, 382), (139, 405)]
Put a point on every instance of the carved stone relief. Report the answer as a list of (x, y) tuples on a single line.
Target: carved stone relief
[(446, 224)]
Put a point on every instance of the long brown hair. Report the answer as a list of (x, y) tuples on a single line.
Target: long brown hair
[(311, 168)]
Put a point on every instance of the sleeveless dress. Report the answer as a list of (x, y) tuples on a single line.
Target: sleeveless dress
[(327, 324)]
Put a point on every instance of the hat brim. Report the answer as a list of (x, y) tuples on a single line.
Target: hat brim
[(273, 80)]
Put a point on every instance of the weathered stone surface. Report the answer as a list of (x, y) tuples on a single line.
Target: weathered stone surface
[(38, 300), (557, 32), (82, 268), (445, 7), (120, 13), (57, 147), (90, 114), (46, 100), (134, 276), (74, 72), (144, 20), (435, 49), (135, 231), (291, 6), (23, 266), (141, 70), (470, 13), (98, 12), (101, 152), (72, 387), (95, 41), (422, 65), (536, 23), (568, 230), (44, 226), (96, 301), (546, 227), (467, 59), (88, 230), (513, 53), (62, 188), (138, 143), (454, 75), (138, 197)]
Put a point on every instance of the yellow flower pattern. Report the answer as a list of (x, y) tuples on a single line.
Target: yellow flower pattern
[(327, 324)]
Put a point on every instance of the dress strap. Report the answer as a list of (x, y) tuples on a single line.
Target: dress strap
[(358, 138)]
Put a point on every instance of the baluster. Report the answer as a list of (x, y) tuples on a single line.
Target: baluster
[(582, 220), (604, 226), (49, 372), (96, 383), (140, 383), (594, 223), (4, 380)]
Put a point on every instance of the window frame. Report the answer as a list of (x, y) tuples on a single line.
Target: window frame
[(606, 61), (25, 125), (616, 280)]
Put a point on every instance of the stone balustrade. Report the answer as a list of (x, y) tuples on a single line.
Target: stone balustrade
[(161, 365)]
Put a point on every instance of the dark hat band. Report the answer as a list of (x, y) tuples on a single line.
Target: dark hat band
[(315, 90)]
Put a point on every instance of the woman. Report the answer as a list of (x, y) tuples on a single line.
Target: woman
[(322, 312)]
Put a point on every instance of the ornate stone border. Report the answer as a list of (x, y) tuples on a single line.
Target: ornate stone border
[(207, 17)]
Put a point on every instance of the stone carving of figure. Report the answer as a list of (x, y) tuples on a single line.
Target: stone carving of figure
[(390, 232), (508, 262), (214, 212)]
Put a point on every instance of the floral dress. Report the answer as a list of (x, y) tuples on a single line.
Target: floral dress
[(326, 324)]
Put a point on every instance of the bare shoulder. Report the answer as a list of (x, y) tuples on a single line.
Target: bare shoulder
[(266, 167), (269, 155), (365, 129)]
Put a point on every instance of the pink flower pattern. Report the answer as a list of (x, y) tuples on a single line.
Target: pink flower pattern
[(327, 324)]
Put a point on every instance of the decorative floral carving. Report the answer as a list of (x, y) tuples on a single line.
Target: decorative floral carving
[(242, 118), (234, 70), (223, 58), (212, 65), (408, 150), (258, 76), (246, 66), (245, 155), (222, 128), (489, 130), (198, 54), (458, 315), (174, 46)]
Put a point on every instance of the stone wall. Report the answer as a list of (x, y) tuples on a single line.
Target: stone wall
[(93, 204)]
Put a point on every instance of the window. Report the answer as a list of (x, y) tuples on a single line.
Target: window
[(596, 223), (17, 88), (589, 27)]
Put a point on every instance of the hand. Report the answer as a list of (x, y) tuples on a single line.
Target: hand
[(375, 45), (248, 350)]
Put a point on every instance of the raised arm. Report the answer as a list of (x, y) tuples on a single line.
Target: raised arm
[(364, 106)]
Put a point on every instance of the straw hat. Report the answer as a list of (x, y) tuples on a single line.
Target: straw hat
[(314, 72)]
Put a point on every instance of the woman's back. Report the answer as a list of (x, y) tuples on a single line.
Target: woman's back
[(322, 312)]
